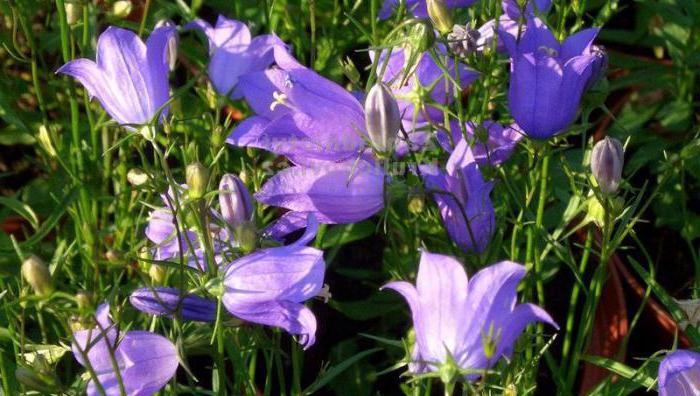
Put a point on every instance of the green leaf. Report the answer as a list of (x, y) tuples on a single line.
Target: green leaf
[(21, 209), (622, 370), (346, 233), (334, 371)]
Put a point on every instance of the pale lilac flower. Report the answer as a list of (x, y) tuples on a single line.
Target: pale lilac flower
[(233, 53), (462, 196), (491, 143), (173, 302), (299, 114), (475, 322), (547, 75), (270, 286), (146, 361), (679, 374), (418, 7), (509, 22), (129, 78), (335, 193)]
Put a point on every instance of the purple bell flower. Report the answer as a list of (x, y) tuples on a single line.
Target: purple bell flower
[(475, 321), (335, 193), (547, 75), (170, 301), (679, 374), (129, 78), (299, 114), (234, 53), (462, 196), (418, 7), (508, 23), (270, 285), (146, 361), (492, 144)]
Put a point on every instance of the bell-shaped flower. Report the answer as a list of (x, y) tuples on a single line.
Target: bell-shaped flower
[(418, 7), (547, 75), (169, 301), (679, 374), (471, 322), (270, 286), (299, 114), (491, 143), (335, 193), (233, 52), (129, 78), (462, 196), (509, 22), (145, 361)]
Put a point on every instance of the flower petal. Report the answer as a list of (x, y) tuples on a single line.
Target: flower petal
[(170, 301)]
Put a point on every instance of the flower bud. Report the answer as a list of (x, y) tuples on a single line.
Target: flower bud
[(607, 160), (421, 37), (172, 42), (382, 117), (137, 177), (157, 273), (74, 11), (440, 15), (84, 300), (236, 203), (244, 234), (197, 177), (44, 139), (35, 272), (122, 8)]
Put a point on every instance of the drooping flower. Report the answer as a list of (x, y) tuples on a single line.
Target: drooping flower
[(172, 302), (335, 193), (234, 53), (270, 286), (492, 144), (146, 361), (462, 196), (299, 114), (418, 7), (129, 78), (679, 374), (475, 322), (547, 75)]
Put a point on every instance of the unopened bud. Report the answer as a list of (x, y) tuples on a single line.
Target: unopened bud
[(122, 8), (448, 371), (137, 177), (44, 382), (236, 203), (74, 11), (197, 177), (350, 70), (172, 42), (416, 203), (244, 234), (510, 390), (382, 118), (607, 160), (44, 139), (157, 273), (440, 15), (36, 273), (421, 36), (84, 300)]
